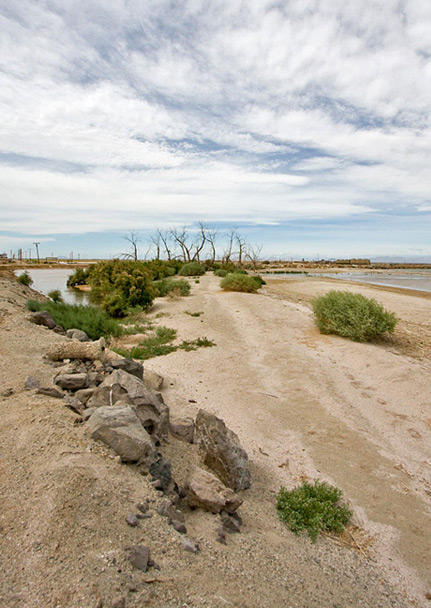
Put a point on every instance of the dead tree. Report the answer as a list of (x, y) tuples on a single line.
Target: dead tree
[(241, 242), (211, 237), (200, 241), (253, 254), (133, 238)]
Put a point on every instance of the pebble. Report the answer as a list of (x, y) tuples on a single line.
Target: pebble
[(132, 520)]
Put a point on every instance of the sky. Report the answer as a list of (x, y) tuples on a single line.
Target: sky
[(304, 124)]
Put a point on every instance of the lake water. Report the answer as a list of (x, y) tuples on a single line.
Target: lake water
[(47, 279), (420, 280)]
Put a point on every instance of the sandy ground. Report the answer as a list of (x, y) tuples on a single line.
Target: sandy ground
[(304, 406)]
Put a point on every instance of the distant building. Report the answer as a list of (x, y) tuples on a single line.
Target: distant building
[(3, 256)]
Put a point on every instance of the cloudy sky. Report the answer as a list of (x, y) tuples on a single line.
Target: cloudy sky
[(305, 124)]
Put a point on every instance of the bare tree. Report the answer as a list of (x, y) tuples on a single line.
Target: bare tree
[(253, 254), (241, 242), (200, 241), (228, 252), (133, 238), (180, 237), (211, 236), (163, 235)]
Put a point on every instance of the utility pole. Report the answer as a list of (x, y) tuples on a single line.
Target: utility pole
[(37, 251)]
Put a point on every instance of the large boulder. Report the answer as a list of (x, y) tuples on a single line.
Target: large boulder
[(130, 366), (120, 428), (77, 334), (206, 491), (43, 317), (72, 382), (150, 408), (105, 395), (222, 451)]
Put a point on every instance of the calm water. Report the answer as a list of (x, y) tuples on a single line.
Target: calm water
[(421, 280), (47, 279)]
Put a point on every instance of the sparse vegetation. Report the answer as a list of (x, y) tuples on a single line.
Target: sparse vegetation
[(161, 343), (240, 282), (25, 279), (94, 321), (166, 286), (313, 507), (352, 315), (193, 314), (191, 269), (55, 295), (220, 272)]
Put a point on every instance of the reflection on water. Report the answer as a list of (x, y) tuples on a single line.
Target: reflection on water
[(421, 281), (47, 279)]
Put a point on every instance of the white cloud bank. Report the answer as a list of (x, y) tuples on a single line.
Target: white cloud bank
[(144, 114)]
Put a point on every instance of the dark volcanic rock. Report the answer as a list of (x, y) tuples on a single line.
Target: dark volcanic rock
[(42, 317), (139, 556)]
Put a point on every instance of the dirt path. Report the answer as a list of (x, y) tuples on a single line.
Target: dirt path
[(356, 414), (304, 406)]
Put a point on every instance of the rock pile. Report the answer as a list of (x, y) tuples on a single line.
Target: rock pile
[(117, 400)]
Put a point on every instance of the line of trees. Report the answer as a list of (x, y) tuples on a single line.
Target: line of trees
[(195, 245)]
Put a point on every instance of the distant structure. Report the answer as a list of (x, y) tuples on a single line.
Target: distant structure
[(3, 256), (51, 259)]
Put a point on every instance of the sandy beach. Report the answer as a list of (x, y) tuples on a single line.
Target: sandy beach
[(304, 405)]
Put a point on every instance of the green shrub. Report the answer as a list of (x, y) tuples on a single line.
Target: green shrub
[(55, 295), (94, 321), (165, 286), (191, 269), (79, 277), (220, 272), (240, 282), (314, 508), (352, 315), (25, 279)]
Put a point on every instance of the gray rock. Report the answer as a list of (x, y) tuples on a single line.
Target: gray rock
[(189, 544), (59, 330), (72, 382), (30, 383), (139, 556), (183, 429), (119, 427), (178, 526), (132, 520), (143, 506), (130, 366), (42, 317), (95, 378), (222, 451), (160, 469), (206, 491), (50, 391), (105, 395), (120, 602), (153, 380), (230, 523), (77, 334), (150, 408), (84, 394)]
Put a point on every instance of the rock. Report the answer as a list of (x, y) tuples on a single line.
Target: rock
[(130, 366), (150, 408), (105, 395), (30, 383), (230, 523), (42, 317), (183, 429), (178, 526), (77, 334), (222, 451), (7, 392), (120, 602), (139, 556), (72, 382), (59, 330), (119, 427), (87, 413), (49, 391), (167, 509), (189, 544), (221, 535), (95, 378), (84, 394), (152, 380), (143, 506), (160, 469), (205, 490), (77, 350), (132, 520)]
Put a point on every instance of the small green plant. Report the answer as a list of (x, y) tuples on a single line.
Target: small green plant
[(352, 315), (55, 295), (25, 279), (191, 269), (220, 272), (240, 282), (313, 507), (166, 286), (94, 321), (193, 314), (197, 281)]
